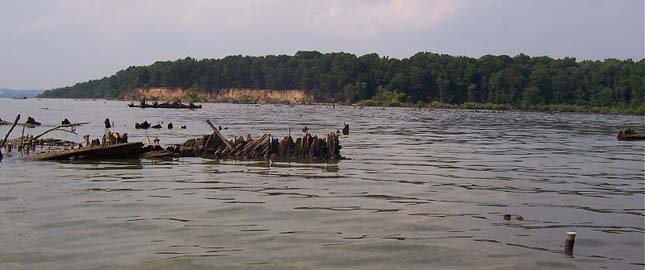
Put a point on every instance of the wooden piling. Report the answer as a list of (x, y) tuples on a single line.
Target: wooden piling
[(22, 136), (570, 240)]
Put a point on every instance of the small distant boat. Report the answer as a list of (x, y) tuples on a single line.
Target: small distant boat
[(166, 105)]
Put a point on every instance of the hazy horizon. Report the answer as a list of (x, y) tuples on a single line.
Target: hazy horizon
[(58, 43)]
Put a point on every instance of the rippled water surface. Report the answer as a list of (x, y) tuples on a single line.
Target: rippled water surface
[(423, 189)]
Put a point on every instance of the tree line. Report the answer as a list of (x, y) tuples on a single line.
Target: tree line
[(423, 78)]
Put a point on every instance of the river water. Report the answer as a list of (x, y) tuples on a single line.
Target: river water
[(422, 189)]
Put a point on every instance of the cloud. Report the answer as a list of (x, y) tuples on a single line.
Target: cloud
[(370, 18), (330, 17)]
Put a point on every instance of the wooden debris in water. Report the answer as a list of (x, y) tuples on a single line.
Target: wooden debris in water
[(27, 144), (307, 148), (31, 121), (110, 138), (143, 125), (4, 141), (40, 142), (111, 145), (114, 145), (121, 150), (62, 128), (629, 134)]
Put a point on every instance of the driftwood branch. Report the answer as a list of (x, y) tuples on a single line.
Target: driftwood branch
[(77, 124), (10, 130), (56, 128)]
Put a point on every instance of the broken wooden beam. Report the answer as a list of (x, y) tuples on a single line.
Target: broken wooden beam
[(10, 130), (218, 134)]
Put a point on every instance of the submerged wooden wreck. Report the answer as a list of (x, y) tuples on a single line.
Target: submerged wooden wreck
[(629, 134), (165, 105), (120, 150), (30, 123), (308, 148), (112, 145)]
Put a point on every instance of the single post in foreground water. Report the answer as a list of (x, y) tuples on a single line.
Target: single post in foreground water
[(570, 240)]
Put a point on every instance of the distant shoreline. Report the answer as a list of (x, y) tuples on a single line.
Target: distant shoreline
[(469, 106), (19, 93), (556, 108)]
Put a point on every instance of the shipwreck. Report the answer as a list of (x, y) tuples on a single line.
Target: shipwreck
[(629, 134), (308, 148)]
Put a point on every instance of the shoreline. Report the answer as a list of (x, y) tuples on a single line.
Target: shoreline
[(435, 105)]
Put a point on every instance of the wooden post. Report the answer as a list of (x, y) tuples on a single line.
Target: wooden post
[(570, 240), (22, 137), (104, 139)]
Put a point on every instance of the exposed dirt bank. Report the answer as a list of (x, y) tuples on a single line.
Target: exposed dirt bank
[(234, 95)]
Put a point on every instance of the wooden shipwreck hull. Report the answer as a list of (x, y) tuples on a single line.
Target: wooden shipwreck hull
[(121, 150), (308, 148)]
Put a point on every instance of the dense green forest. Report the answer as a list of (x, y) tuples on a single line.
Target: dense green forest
[(519, 81)]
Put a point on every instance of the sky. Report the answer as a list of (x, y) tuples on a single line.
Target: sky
[(53, 43)]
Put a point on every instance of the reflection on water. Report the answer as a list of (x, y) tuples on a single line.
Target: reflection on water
[(423, 189)]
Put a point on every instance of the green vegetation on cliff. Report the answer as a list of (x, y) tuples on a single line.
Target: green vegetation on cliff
[(519, 82)]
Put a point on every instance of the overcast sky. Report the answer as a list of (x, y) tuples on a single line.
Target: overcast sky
[(53, 43)]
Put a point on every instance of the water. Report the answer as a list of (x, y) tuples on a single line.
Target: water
[(423, 189)]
